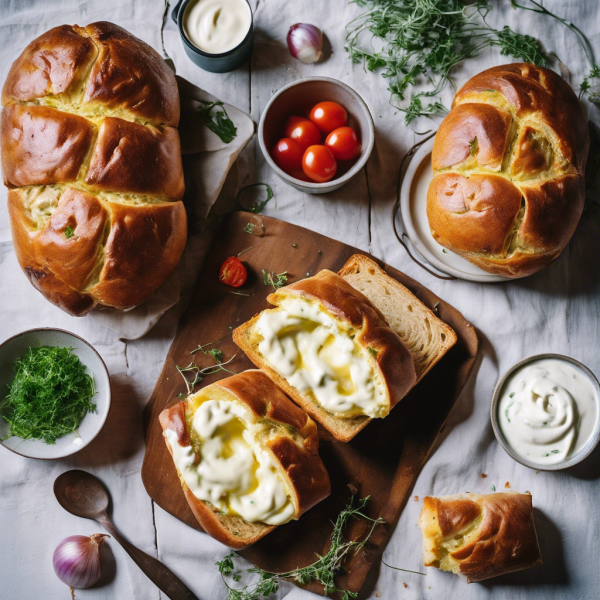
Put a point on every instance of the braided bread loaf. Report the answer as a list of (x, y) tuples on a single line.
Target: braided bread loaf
[(508, 164), (92, 160)]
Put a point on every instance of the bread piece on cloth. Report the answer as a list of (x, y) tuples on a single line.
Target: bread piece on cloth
[(260, 452), (508, 164), (425, 335), (92, 159), (479, 536), (331, 351)]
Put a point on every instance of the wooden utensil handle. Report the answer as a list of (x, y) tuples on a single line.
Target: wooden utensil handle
[(158, 573)]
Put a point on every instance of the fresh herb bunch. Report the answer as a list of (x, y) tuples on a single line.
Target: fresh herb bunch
[(323, 570), (423, 40), (49, 396), (223, 126)]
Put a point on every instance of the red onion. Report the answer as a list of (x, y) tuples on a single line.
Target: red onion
[(76, 560), (305, 42)]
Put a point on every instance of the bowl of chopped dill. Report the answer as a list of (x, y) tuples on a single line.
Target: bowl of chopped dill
[(54, 393)]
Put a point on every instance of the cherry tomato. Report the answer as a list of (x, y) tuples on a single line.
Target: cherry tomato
[(328, 116), (343, 143), (233, 272), (287, 155), (319, 164), (303, 131)]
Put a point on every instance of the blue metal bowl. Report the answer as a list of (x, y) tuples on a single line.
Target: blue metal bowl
[(215, 63)]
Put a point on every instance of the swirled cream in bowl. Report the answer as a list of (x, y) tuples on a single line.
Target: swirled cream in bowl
[(545, 412)]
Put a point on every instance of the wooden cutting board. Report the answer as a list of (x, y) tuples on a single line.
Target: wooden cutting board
[(382, 461)]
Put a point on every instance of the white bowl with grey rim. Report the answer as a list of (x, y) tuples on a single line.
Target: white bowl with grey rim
[(296, 99), (587, 449), (15, 348)]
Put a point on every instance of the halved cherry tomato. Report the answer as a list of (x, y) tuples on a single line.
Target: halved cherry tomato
[(303, 131), (328, 116), (287, 155), (233, 272), (319, 164), (343, 143)]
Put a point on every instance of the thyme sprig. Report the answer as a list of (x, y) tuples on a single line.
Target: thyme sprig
[(422, 41), (323, 570), (199, 373), (277, 280), (223, 126)]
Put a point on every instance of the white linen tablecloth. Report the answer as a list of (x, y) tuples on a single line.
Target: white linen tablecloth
[(556, 310)]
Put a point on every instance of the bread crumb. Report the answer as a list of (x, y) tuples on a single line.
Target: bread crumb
[(483, 475), (377, 594), (507, 484), (405, 585), (416, 498)]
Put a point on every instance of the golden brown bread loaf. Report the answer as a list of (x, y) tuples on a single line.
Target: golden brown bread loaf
[(508, 164), (479, 536), (340, 312), (279, 427), (92, 160)]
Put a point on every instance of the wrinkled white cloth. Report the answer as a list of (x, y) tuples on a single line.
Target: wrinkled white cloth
[(555, 310)]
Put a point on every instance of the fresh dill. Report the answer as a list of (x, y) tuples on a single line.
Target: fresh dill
[(69, 232), (197, 374), (49, 396), (223, 126), (323, 570), (421, 41), (277, 280)]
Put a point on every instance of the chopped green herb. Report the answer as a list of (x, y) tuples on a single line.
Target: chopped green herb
[(277, 280), (323, 570), (511, 395), (49, 396), (474, 146), (259, 206), (223, 126), (372, 351), (249, 228), (552, 452), (294, 245), (444, 251), (319, 252), (493, 488), (588, 84), (69, 232), (307, 273), (181, 395), (217, 355)]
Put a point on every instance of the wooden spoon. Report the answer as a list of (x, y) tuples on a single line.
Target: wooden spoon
[(83, 495)]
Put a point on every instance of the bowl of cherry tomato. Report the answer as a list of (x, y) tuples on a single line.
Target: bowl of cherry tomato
[(316, 134)]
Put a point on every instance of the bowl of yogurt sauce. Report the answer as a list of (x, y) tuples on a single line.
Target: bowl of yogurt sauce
[(545, 412), (217, 35)]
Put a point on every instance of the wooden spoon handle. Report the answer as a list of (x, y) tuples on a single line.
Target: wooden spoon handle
[(158, 573)]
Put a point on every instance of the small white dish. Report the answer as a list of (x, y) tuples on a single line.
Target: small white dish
[(583, 453), (413, 206), (15, 348)]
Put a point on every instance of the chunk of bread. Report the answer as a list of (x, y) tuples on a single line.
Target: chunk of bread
[(426, 336), (384, 350), (282, 429)]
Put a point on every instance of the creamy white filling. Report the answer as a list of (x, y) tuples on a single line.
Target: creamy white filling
[(306, 346), (231, 470), (548, 411)]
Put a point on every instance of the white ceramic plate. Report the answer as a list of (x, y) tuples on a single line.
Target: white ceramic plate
[(413, 206), (91, 424)]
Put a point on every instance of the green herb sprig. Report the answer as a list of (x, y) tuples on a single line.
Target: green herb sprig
[(277, 280), (323, 570), (199, 373), (223, 126), (49, 396)]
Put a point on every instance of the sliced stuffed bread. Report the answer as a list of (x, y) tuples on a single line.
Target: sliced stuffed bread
[(426, 336), (247, 457), (331, 351)]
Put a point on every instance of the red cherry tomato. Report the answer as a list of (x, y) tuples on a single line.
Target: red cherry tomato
[(303, 131), (233, 272), (287, 155), (328, 116), (343, 143), (319, 164)]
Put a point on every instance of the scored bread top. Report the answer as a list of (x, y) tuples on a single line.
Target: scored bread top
[(392, 358), (92, 159), (479, 536), (287, 433)]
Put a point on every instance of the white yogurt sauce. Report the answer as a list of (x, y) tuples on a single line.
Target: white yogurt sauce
[(306, 346), (547, 411), (217, 26), (231, 470)]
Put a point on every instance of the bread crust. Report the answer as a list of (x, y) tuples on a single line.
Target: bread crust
[(392, 361), (498, 529), (509, 163), (91, 114), (293, 444)]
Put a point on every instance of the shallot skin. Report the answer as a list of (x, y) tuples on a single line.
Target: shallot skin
[(76, 560), (305, 42)]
